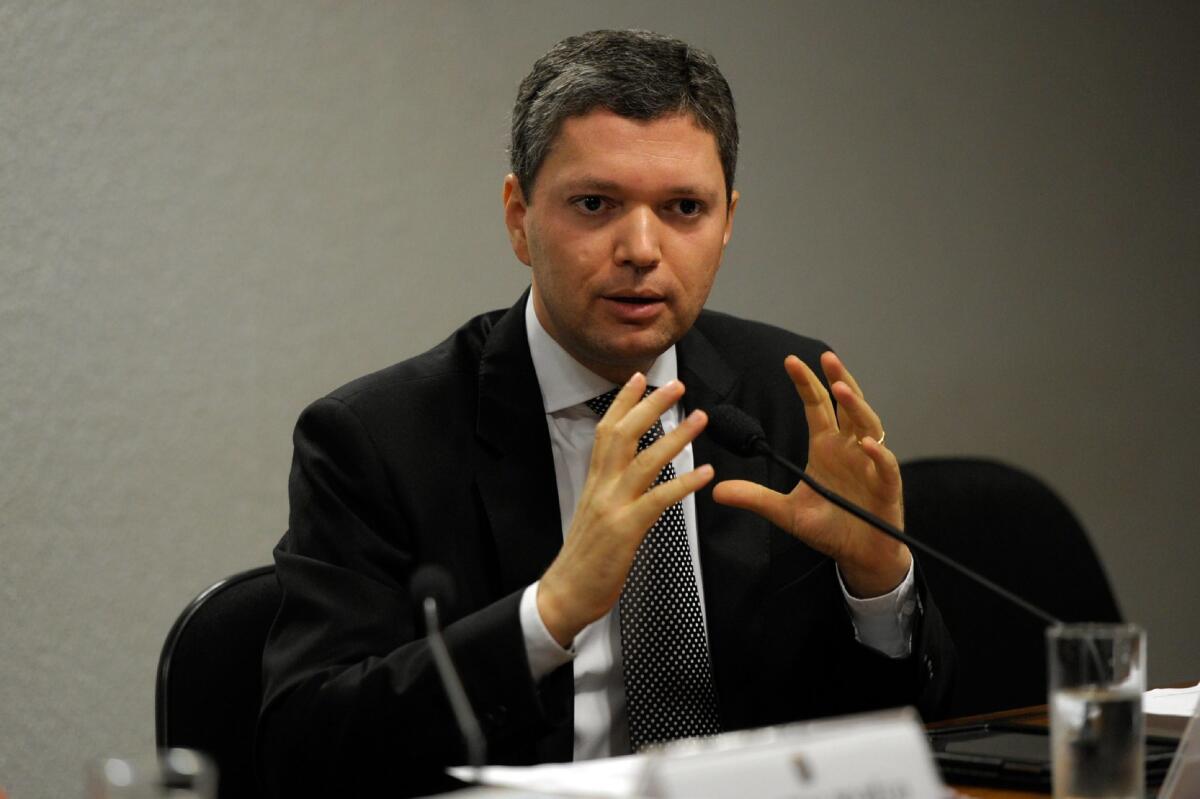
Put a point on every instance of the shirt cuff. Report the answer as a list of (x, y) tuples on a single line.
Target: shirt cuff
[(885, 623), (544, 653)]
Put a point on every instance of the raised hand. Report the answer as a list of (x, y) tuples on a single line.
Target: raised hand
[(615, 509), (846, 454)]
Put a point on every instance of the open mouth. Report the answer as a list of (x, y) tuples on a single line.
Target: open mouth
[(635, 309)]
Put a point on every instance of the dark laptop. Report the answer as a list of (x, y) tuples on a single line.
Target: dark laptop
[(1008, 755)]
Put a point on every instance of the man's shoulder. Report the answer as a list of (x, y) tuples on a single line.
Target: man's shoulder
[(750, 345), (442, 373)]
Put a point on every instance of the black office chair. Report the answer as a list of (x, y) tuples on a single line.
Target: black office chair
[(209, 676), (1013, 529)]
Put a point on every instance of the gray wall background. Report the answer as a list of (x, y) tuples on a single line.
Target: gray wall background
[(212, 213)]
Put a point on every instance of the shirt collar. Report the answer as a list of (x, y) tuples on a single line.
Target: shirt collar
[(564, 381)]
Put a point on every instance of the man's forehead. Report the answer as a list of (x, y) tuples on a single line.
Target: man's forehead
[(664, 129), (602, 151)]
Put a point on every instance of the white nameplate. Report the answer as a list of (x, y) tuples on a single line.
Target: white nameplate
[(869, 756)]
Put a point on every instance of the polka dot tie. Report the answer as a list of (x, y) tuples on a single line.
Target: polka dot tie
[(669, 690)]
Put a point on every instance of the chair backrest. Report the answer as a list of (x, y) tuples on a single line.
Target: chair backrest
[(210, 675), (1012, 528)]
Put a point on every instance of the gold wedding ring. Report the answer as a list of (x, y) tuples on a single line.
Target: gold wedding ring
[(878, 441)]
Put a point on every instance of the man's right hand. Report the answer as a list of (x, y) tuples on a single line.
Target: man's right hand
[(616, 510)]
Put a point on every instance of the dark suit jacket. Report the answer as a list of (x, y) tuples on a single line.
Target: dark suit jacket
[(445, 458)]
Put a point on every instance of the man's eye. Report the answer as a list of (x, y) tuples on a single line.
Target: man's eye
[(689, 207), (592, 204)]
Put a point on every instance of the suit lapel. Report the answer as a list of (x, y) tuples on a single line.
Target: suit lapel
[(514, 466), (734, 544), (514, 470)]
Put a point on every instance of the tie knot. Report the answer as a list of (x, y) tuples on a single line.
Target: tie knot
[(599, 405)]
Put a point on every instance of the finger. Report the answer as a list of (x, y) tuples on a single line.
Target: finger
[(609, 447), (836, 370), (651, 504), (644, 414), (771, 505), (853, 410), (619, 431), (887, 468), (649, 463), (626, 398), (818, 408), (855, 414)]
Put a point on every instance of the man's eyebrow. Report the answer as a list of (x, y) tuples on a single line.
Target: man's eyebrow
[(691, 191), (593, 184), (601, 185)]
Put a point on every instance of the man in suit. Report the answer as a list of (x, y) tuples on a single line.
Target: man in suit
[(551, 459)]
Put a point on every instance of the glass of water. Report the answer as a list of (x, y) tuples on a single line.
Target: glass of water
[(1097, 677)]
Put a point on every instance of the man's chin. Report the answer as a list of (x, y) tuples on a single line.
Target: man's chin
[(618, 363)]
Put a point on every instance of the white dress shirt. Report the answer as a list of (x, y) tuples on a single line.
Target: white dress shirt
[(601, 726)]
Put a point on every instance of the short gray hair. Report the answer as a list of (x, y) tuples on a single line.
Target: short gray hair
[(636, 74)]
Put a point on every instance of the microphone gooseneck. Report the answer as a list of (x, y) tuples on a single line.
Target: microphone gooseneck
[(741, 434), (433, 587)]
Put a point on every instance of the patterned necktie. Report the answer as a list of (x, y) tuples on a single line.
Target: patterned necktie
[(668, 677)]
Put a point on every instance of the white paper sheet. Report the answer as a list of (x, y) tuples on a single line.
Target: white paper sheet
[(609, 777), (1172, 701)]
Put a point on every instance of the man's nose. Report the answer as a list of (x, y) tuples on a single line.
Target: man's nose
[(637, 243)]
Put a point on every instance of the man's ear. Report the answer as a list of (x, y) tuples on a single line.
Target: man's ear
[(514, 218), (733, 201)]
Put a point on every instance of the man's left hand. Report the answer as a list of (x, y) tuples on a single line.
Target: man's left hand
[(845, 455)]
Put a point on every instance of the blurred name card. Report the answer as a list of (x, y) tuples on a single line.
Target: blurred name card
[(882, 755), (868, 756)]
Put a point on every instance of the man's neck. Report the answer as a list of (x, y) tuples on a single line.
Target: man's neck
[(564, 381)]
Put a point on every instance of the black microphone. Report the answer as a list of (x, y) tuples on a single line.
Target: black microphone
[(433, 587), (741, 434), (737, 431)]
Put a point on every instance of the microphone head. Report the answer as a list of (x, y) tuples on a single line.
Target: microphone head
[(433, 581), (736, 430)]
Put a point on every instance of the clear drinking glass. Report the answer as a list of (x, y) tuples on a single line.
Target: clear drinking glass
[(1097, 677), (172, 773)]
